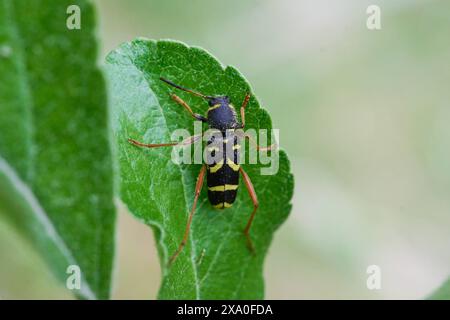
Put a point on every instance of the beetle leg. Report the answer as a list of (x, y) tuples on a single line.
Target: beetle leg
[(244, 104), (180, 101), (257, 146), (252, 193), (198, 188), (185, 142)]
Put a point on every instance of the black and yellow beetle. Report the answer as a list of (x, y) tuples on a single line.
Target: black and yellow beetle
[(222, 172)]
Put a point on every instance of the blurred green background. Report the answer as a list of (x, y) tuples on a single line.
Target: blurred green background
[(364, 116)]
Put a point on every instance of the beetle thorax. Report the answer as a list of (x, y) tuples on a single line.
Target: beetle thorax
[(221, 114)]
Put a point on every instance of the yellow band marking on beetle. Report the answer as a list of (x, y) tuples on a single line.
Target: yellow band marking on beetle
[(223, 205), (214, 107), (232, 165), (231, 187), (217, 188), (216, 167), (211, 149), (227, 205), (223, 188), (236, 146)]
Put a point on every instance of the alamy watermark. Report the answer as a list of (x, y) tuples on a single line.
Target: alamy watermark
[(374, 279), (227, 146), (73, 21), (73, 281), (373, 21)]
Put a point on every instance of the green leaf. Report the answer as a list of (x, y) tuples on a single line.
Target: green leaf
[(56, 181), (442, 293), (216, 263)]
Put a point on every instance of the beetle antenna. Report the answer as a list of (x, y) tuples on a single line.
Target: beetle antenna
[(185, 89)]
